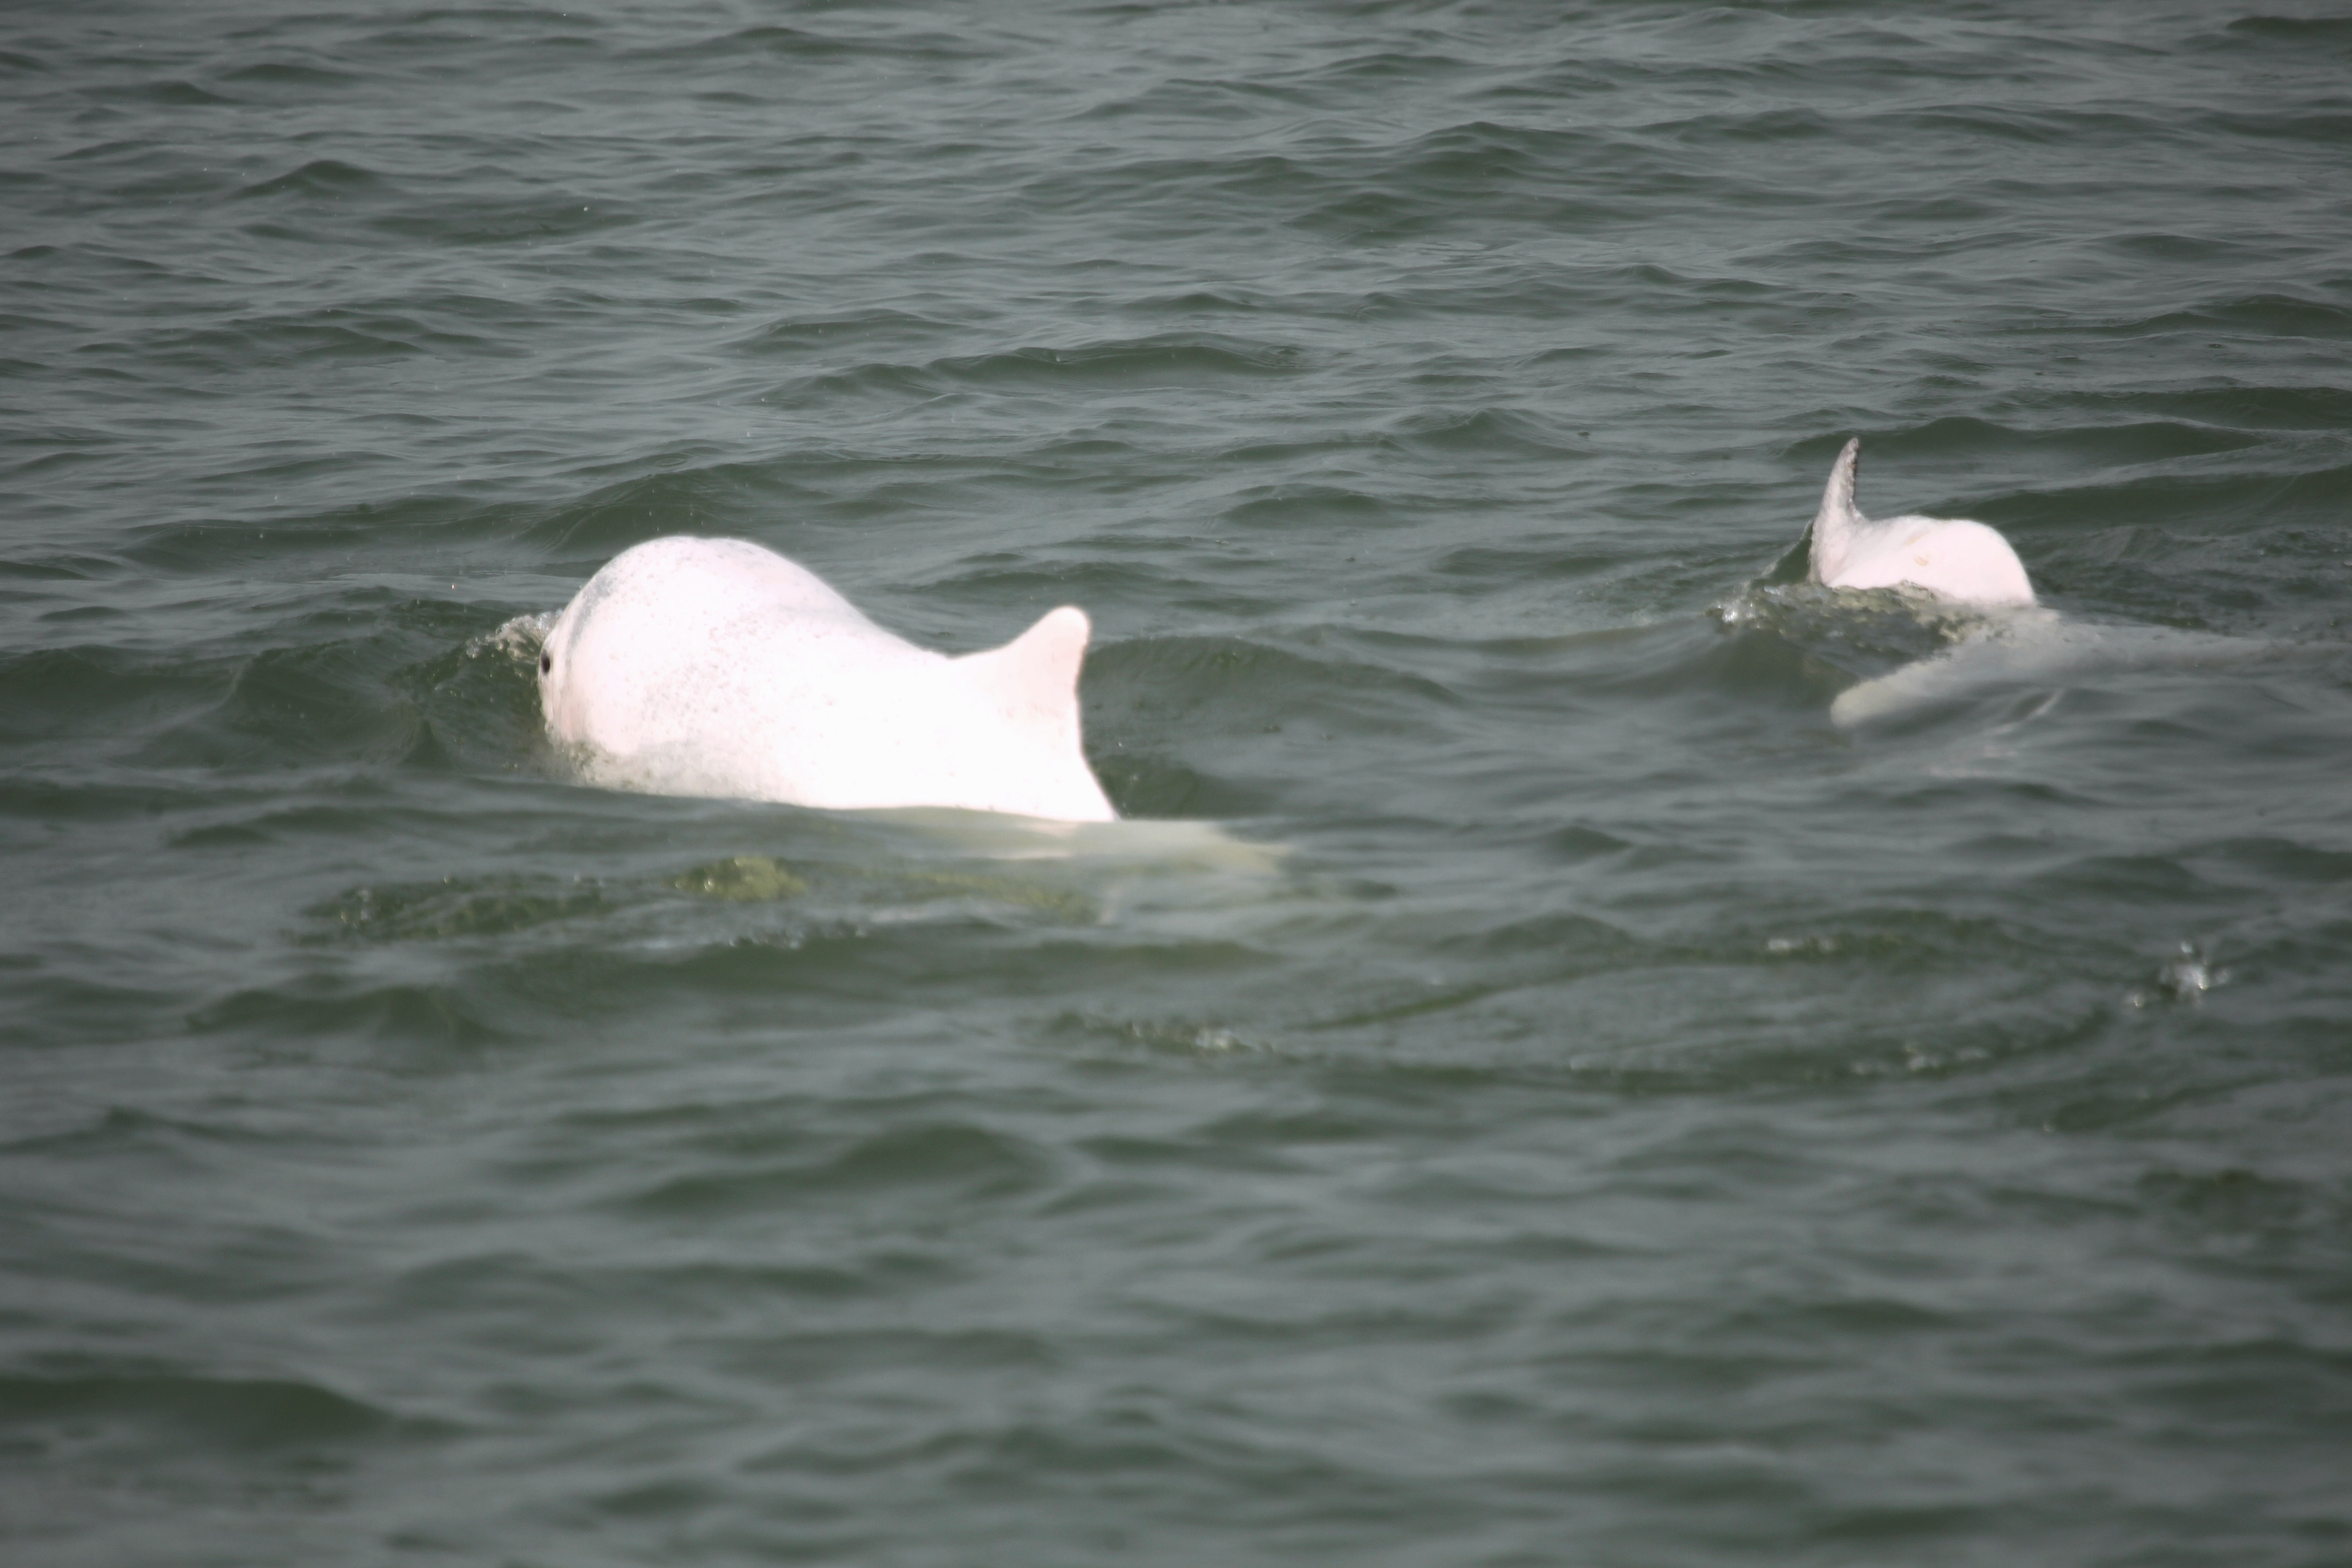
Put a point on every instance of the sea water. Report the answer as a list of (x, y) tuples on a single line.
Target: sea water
[(1532, 1088)]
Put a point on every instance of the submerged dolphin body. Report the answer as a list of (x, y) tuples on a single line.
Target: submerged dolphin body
[(714, 666), (1951, 558), (2035, 650)]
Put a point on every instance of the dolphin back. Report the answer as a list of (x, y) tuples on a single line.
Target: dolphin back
[(718, 667), (1952, 558)]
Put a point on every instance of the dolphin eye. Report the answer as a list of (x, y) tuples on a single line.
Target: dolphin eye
[(546, 662)]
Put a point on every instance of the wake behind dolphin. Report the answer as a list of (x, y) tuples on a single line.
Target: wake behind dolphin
[(714, 666)]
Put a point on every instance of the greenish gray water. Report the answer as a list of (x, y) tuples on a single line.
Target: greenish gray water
[(1553, 1097)]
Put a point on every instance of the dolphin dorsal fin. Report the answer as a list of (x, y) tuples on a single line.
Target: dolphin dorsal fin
[(1031, 687), (1834, 524), (1035, 676)]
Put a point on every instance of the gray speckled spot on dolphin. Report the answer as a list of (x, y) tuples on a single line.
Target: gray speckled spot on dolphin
[(583, 607)]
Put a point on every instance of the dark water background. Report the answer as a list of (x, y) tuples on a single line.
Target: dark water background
[(1619, 1117)]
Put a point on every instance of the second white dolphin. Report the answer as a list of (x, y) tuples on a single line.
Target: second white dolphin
[(1952, 558), (714, 666)]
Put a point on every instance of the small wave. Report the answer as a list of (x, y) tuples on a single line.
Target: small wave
[(1491, 431), (2331, 129), (963, 1162), (289, 74), (2297, 30), (242, 1415), (775, 41), (472, 220), (1193, 726), (323, 179), (599, 526), (305, 704), (2231, 1201), (1219, 300), (234, 347), (176, 94), (1987, 445), (839, 332), (1742, 127), (1234, 688), (2265, 316), (1307, 506), (2244, 407), (1163, 360)]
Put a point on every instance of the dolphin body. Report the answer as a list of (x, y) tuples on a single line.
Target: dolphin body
[(1952, 558), (714, 666), (2035, 649), (2016, 644), (1955, 560)]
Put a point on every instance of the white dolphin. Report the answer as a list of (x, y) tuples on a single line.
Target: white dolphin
[(1996, 637), (1951, 558), (714, 666)]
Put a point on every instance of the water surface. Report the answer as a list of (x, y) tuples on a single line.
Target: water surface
[(1536, 1090)]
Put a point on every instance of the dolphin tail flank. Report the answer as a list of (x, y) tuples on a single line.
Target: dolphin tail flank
[(1834, 525)]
